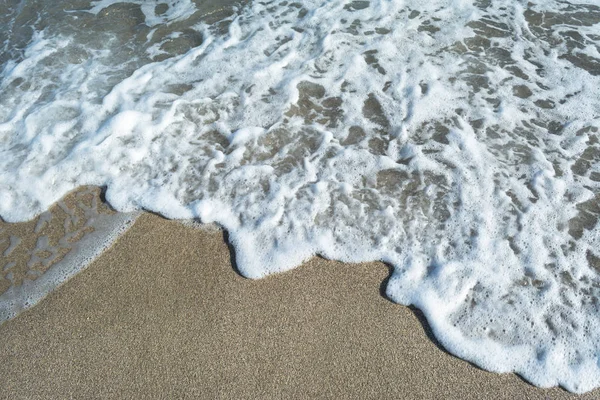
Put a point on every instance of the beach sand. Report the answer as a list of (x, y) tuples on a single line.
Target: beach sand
[(163, 314)]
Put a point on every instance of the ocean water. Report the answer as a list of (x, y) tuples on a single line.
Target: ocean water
[(456, 140), (38, 256)]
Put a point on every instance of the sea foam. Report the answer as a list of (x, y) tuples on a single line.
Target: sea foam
[(455, 140)]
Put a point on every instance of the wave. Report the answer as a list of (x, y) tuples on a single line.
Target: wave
[(455, 140)]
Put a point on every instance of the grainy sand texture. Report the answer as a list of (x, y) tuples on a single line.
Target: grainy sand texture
[(163, 314)]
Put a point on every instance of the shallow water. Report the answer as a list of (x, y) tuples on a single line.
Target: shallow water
[(457, 141), (37, 256)]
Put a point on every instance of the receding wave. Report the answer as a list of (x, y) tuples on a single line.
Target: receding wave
[(455, 140)]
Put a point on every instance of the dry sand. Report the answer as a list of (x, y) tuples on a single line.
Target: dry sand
[(163, 314)]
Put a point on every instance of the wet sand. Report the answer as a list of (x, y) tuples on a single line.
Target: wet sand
[(163, 314)]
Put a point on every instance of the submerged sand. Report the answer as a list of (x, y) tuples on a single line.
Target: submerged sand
[(163, 314)]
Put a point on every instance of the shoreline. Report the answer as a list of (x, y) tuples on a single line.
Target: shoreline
[(163, 313)]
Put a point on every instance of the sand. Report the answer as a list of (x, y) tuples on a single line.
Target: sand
[(163, 314)]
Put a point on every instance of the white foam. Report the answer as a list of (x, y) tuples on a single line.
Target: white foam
[(455, 140)]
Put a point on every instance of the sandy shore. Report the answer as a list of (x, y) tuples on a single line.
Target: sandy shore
[(163, 314)]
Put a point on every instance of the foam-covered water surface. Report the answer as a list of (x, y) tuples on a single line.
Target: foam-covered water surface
[(457, 141)]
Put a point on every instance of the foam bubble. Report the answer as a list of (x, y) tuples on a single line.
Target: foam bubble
[(456, 140)]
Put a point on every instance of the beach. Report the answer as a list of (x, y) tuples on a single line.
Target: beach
[(308, 199), (163, 314)]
